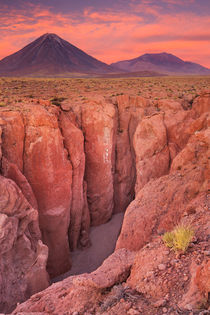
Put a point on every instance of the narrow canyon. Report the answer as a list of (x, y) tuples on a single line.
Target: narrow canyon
[(68, 169)]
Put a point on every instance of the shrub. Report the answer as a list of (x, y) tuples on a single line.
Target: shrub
[(179, 239), (168, 239), (57, 100)]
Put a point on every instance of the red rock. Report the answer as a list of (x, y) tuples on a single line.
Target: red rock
[(13, 137), (49, 172), (74, 143), (130, 112), (152, 154), (99, 127), (187, 283), (193, 297), (11, 171), (202, 278), (155, 208), (0, 140), (80, 293), (23, 257), (179, 129), (166, 105), (146, 262), (195, 153), (85, 224), (202, 103)]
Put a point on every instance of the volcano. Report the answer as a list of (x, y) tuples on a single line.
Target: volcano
[(50, 55), (163, 63)]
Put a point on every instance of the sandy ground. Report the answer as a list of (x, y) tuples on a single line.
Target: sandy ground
[(103, 239)]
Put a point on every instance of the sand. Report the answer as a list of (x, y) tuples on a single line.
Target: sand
[(103, 239)]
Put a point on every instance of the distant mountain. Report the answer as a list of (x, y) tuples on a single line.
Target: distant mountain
[(163, 63), (51, 55)]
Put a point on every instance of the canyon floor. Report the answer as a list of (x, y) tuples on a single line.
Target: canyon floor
[(93, 173), (103, 240)]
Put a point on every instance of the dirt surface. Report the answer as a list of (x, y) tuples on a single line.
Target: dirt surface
[(103, 239)]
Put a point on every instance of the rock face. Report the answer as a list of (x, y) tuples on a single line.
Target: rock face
[(13, 137), (99, 127), (146, 215), (23, 257), (130, 110), (49, 171), (10, 170), (189, 173), (202, 103), (188, 177), (152, 153), (79, 213)]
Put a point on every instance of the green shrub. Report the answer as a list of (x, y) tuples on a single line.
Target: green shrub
[(179, 239)]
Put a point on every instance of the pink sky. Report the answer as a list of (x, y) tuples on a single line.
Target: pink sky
[(113, 32)]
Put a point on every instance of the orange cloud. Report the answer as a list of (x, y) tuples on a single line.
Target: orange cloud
[(113, 36)]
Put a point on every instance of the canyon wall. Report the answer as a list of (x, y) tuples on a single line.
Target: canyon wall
[(143, 276), (78, 165)]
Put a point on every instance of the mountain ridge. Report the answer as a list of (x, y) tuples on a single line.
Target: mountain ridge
[(161, 62)]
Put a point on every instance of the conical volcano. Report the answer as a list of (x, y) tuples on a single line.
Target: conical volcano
[(51, 55)]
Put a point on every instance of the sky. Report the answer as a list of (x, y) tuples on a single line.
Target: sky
[(111, 30)]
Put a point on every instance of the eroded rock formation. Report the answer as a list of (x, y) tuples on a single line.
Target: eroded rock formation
[(171, 194), (78, 293), (80, 164), (23, 257), (99, 127)]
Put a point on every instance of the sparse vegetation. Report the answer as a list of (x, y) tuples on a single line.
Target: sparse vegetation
[(57, 100), (179, 239), (79, 89)]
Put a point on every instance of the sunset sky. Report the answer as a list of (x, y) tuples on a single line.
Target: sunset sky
[(111, 30)]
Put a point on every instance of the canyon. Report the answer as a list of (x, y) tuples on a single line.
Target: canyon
[(71, 166)]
